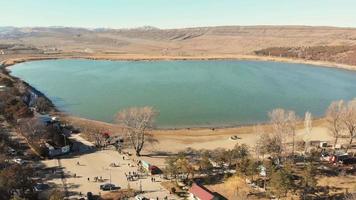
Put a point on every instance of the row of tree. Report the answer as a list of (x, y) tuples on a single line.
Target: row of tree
[(341, 117)]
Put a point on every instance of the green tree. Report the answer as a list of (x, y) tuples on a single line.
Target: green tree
[(171, 167), (205, 164), (240, 151), (17, 179), (252, 169), (42, 105), (280, 183), (242, 167), (56, 195), (309, 181)]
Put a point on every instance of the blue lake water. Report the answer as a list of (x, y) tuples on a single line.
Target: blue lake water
[(188, 93)]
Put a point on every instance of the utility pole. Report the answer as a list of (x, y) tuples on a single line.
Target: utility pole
[(110, 175), (140, 186)]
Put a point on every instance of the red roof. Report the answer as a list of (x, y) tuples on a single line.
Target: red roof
[(201, 192)]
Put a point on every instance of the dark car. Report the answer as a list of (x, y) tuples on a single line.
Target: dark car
[(107, 186), (348, 161), (90, 196), (39, 187)]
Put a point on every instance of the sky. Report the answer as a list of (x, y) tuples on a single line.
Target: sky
[(176, 13)]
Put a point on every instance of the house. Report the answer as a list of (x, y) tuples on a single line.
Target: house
[(53, 151), (199, 192)]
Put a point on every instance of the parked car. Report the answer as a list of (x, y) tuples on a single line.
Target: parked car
[(40, 187), (11, 151), (348, 161), (107, 186), (18, 161), (90, 196), (139, 197)]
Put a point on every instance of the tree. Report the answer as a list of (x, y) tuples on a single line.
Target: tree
[(242, 167), (272, 144), (259, 150), (220, 156), (56, 195), (205, 164), (240, 151), (137, 122), (171, 168), (184, 168), (284, 124), (308, 127), (309, 181), (292, 125), (349, 120), (42, 105), (280, 182), (334, 118), (252, 169), (16, 179), (98, 137)]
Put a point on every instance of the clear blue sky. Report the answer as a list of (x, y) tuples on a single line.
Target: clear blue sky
[(176, 13)]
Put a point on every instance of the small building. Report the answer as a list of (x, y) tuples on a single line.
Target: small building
[(53, 151), (199, 192)]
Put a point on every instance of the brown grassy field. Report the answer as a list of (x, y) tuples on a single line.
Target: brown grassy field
[(202, 41)]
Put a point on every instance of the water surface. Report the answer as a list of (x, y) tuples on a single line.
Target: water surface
[(188, 93)]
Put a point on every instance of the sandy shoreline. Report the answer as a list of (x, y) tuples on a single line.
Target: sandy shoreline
[(138, 57)]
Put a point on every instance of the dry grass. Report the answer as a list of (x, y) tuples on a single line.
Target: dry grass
[(338, 184), (233, 188)]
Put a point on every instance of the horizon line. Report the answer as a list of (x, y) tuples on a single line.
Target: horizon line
[(188, 27)]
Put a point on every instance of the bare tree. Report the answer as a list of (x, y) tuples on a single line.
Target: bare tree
[(308, 127), (137, 122), (349, 120), (292, 126), (259, 131), (334, 116), (284, 124)]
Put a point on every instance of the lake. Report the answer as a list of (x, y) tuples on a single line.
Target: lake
[(188, 93)]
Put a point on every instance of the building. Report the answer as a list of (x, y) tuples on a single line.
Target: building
[(199, 192), (53, 151)]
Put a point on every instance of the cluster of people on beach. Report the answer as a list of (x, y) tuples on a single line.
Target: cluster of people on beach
[(132, 176)]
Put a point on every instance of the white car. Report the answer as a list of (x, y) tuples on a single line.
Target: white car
[(11, 151), (139, 197), (18, 161)]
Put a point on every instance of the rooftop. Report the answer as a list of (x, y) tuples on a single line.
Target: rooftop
[(201, 192)]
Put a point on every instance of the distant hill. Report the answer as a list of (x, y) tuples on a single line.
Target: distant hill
[(184, 42)]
